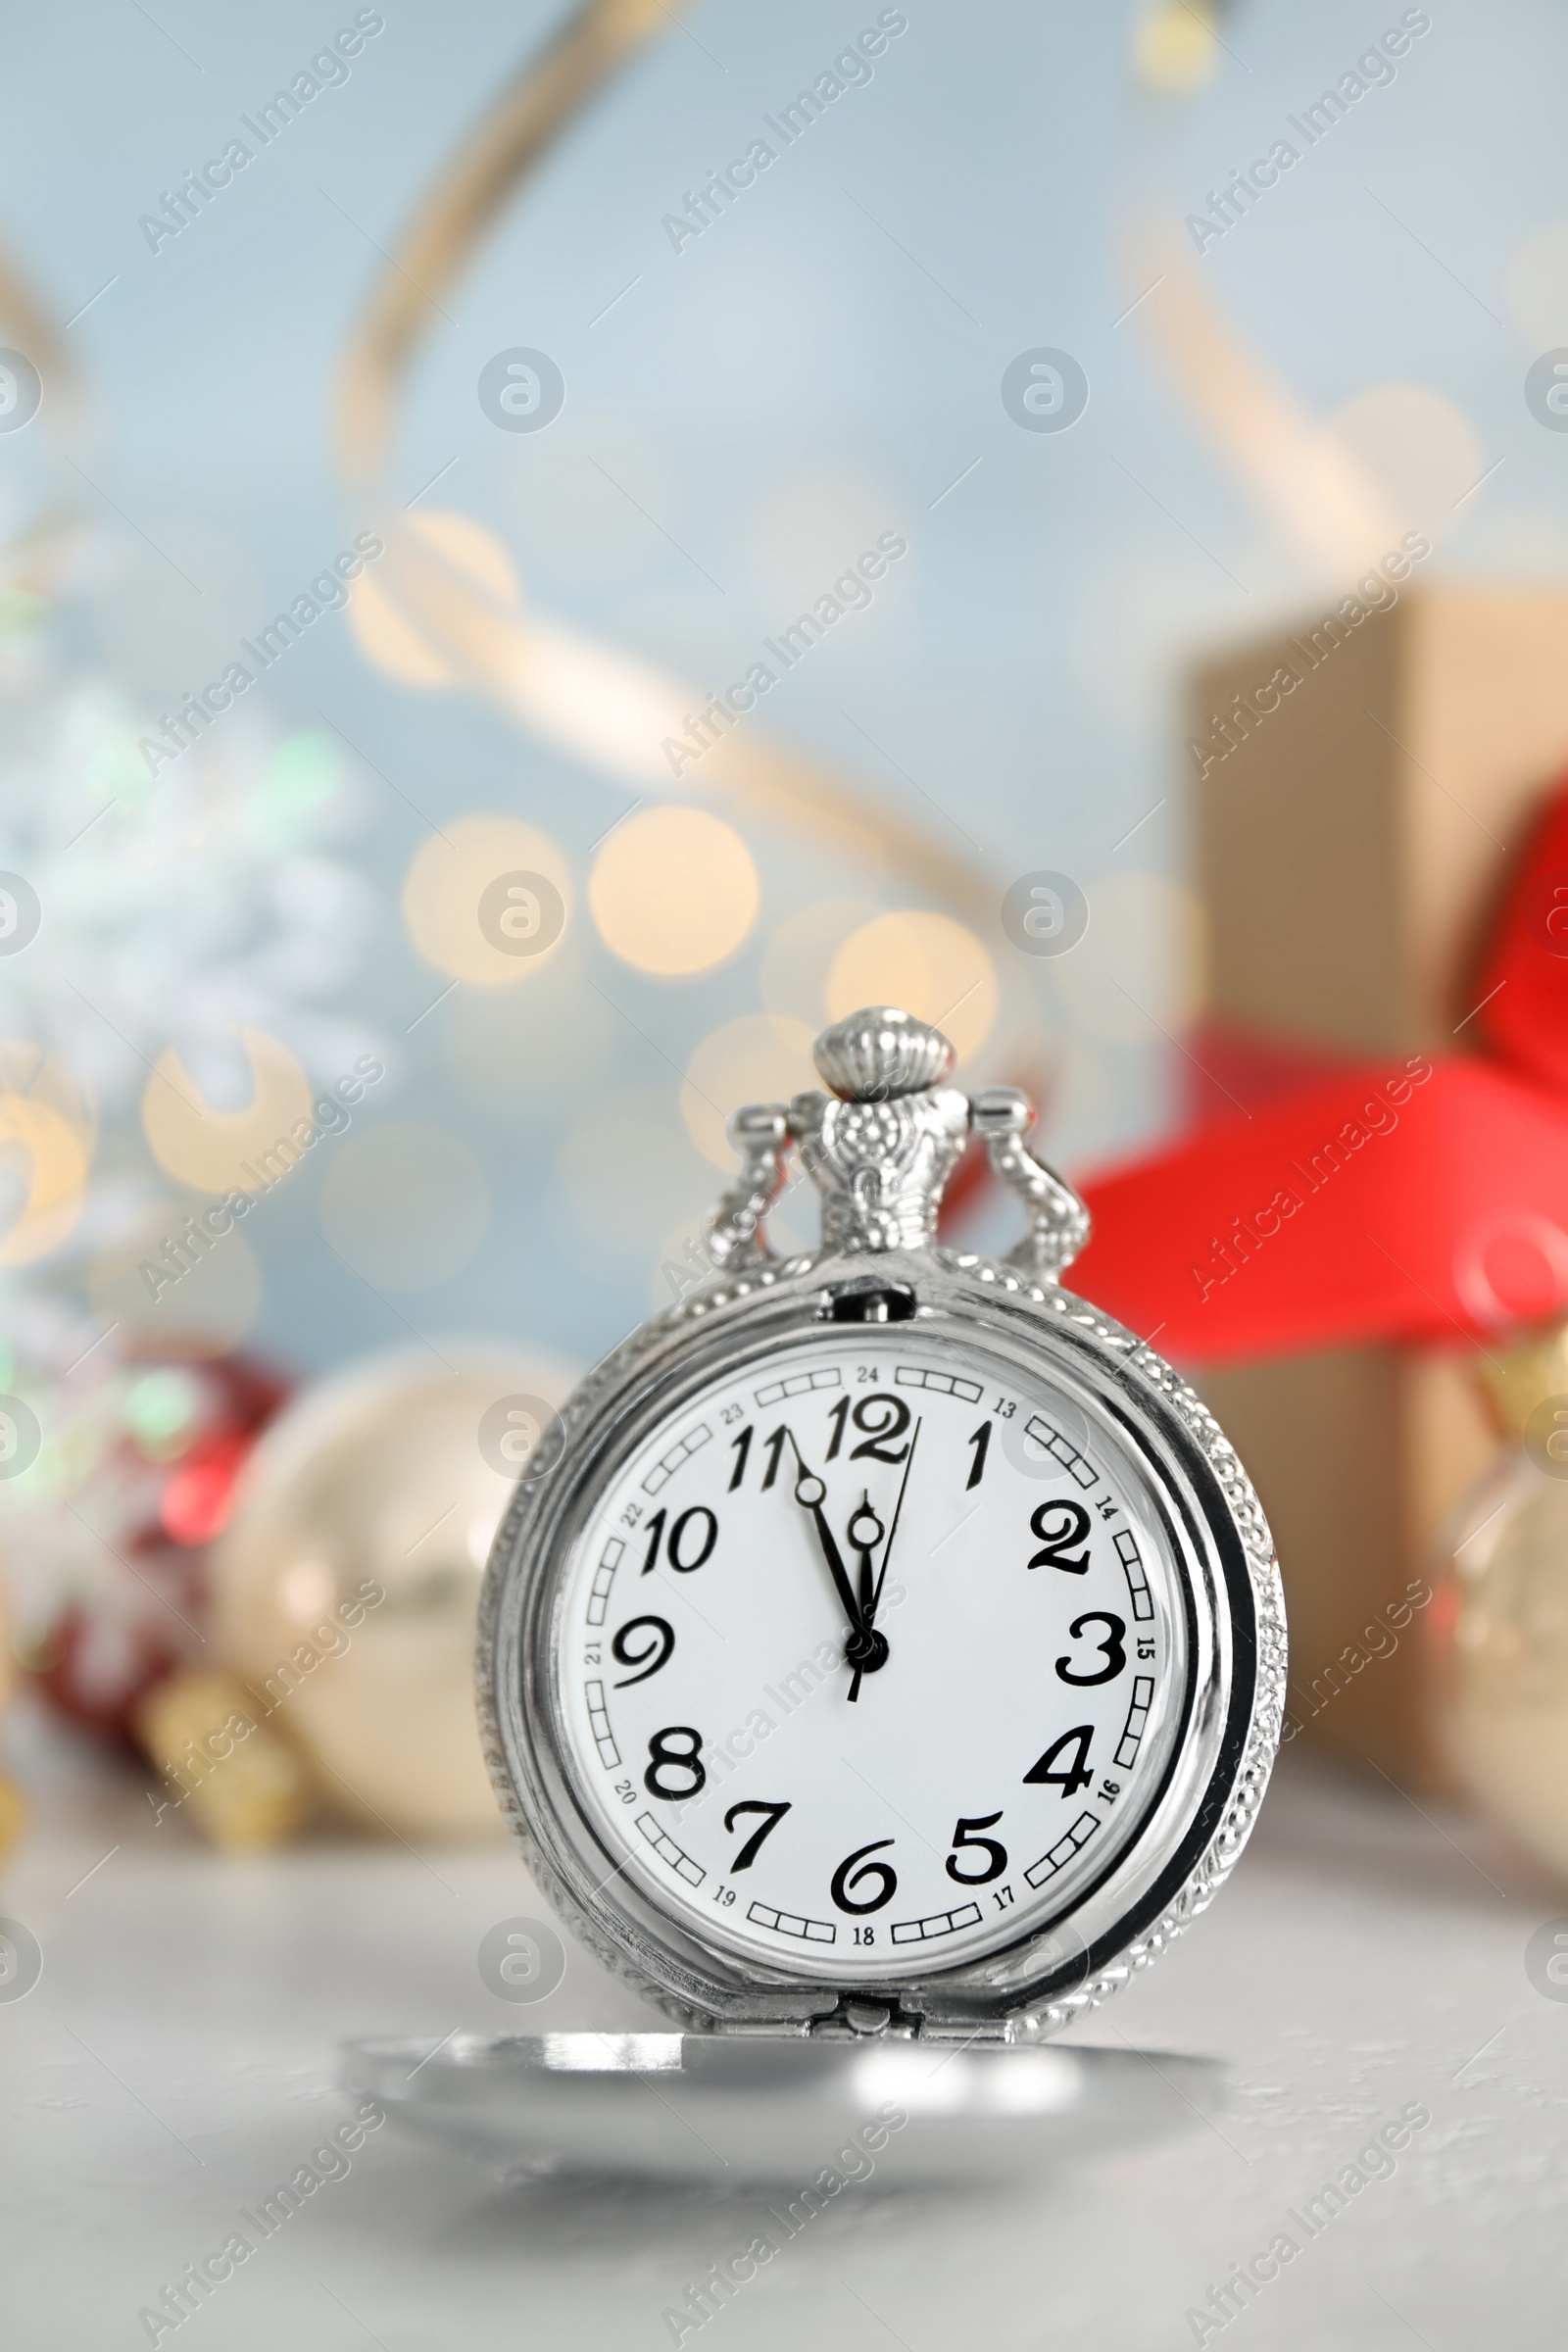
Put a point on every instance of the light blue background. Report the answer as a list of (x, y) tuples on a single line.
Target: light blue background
[(1009, 149)]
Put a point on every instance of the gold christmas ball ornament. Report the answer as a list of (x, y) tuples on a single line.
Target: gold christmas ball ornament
[(1499, 1620), (8, 1656), (345, 1590), (243, 1783), (13, 1815)]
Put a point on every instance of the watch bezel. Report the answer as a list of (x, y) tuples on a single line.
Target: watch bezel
[(1192, 1827)]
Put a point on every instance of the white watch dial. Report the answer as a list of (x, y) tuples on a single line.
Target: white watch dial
[(872, 1657)]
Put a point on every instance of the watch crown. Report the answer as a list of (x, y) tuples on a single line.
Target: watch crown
[(879, 1054), (881, 1147)]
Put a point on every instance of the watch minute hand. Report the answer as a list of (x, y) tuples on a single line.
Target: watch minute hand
[(897, 1513)]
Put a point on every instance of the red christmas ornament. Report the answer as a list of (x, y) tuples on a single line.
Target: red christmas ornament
[(156, 1450)]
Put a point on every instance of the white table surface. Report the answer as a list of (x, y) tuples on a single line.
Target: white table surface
[(177, 2059)]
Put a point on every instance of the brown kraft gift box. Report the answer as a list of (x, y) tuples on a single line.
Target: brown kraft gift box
[(1351, 843)]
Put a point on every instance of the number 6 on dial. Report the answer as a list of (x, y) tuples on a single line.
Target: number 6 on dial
[(847, 1876)]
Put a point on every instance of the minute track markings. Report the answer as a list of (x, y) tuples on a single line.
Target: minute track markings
[(939, 1923), (1137, 1717), (1063, 1851), (789, 1922), (664, 1469)]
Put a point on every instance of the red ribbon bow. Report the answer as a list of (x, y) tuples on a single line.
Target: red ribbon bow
[(1413, 1199)]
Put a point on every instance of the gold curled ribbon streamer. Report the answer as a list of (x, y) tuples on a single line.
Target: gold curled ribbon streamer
[(608, 709), (1316, 492)]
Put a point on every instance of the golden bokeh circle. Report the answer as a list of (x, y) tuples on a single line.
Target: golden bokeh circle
[(388, 635), (928, 965), (229, 1151), (1418, 445), (48, 1131), (673, 891), (1174, 48), (793, 979), (753, 1060), (446, 883)]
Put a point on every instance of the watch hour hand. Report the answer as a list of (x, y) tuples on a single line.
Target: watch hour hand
[(865, 1532), (810, 1493), (866, 1649)]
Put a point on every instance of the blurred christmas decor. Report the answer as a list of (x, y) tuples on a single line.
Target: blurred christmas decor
[(1175, 45), (1499, 1621), (173, 923), (111, 1017), (103, 831), (11, 1805), (1380, 1161), (13, 1815), (105, 1533), (444, 609), (346, 1585), (244, 1782)]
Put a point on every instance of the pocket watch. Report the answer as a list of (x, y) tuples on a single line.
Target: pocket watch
[(889, 1642)]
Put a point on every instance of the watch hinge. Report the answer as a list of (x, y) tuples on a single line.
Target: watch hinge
[(868, 1301), (862, 2020)]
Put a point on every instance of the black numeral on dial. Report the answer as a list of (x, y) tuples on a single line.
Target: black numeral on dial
[(652, 1653), (1112, 1648), (848, 1875), (1076, 1774), (691, 1540), (963, 1838), (748, 1854), (666, 1758), (1057, 1525), (884, 1418)]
